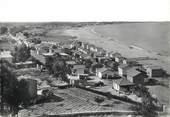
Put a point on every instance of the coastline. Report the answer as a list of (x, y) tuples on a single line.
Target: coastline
[(87, 34)]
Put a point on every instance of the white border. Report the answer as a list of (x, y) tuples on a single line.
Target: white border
[(84, 10)]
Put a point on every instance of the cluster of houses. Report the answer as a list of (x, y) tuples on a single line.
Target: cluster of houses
[(111, 65), (104, 65)]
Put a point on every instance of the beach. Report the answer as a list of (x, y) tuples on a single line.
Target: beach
[(131, 40)]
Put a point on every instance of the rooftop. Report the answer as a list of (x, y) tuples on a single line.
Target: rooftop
[(25, 63), (73, 77), (132, 72), (153, 67), (48, 54), (123, 66), (101, 69), (63, 54), (123, 82), (117, 54), (71, 62), (78, 66), (5, 54)]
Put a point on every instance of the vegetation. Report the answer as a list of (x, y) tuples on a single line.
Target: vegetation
[(3, 30), (148, 105), (57, 66), (21, 53), (35, 40), (9, 87)]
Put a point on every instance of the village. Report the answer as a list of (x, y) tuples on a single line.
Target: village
[(87, 78)]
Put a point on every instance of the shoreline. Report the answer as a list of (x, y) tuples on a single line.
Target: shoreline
[(87, 34)]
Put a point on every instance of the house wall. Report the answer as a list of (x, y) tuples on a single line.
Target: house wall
[(139, 79), (116, 59), (9, 59), (120, 71), (124, 61), (116, 86), (149, 72), (99, 74), (157, 73), (130, 78), (79, 71)]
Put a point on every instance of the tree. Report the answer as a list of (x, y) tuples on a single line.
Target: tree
[(21, 53), (3, 30), (57, 66), (148, 105), (49, 64), (9, 87), (88, 63)]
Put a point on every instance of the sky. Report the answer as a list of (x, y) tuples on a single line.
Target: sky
[(84, 10)]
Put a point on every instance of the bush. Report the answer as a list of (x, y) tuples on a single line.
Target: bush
[(99, 99)]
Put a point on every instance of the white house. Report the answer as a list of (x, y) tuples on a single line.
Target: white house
[(122, 85), (104, 73), (6, 55), (122, 69), (73, 79), (99, 71)]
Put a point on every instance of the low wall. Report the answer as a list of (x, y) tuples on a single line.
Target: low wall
[(111, 113)]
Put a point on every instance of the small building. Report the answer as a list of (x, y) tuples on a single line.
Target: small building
[(85, 56), (85, 45), (100, 59), (123, 60), (154, 71), (135, 76), (71, 63), (122, 69), (122, 85), (117, 57), (104, 73), (6, 55), (92, 48), (78, 69), (26, 64), (110, 54), (101, 51), (73, 80)]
